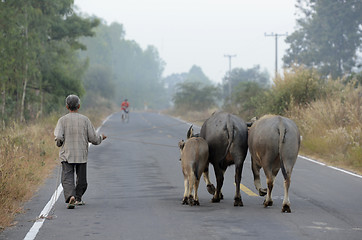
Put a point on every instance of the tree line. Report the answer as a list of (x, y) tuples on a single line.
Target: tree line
[(38, 63), (48, 51)]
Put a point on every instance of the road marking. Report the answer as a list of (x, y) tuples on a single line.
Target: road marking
[(39, 222), (335, 168), (311, 160), (247, 190), (325, 228)]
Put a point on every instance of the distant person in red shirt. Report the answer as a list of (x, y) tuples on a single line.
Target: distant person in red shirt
[(125, 105), (125, 111)]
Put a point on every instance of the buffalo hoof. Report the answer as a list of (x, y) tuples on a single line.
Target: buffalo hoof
[(268, 203), (221, 196), (215, 200), (211, 189), (185, 201), (191, 200), (238, 202), (194, 203), (286, 208), (262, 191)]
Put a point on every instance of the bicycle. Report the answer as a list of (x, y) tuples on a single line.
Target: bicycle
[(125, 116)]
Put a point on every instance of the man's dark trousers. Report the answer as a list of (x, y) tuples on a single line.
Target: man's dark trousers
[(70, 187)]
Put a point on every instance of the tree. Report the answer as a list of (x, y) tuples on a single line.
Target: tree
[(38, 43), (135, 73), (196, 75), (10, 42), (239, 75), (193, 97), (328, 36), (61, 69), (171, 82), (244, 99)]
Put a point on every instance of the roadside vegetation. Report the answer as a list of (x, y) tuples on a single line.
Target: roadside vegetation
[(27, 156), (327, 112), (332, 127)]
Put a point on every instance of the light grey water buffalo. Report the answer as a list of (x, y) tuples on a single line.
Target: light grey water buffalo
[(194, 160), (227, 137), (274, 143)]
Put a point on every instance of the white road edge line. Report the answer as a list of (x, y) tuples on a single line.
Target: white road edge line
[(39, 222), (335, 168), (311, 160)]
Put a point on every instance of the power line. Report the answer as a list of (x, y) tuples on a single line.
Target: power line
[(229, 75), (276, 35)]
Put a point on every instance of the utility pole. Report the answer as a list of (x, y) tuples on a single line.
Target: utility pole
[(276, 35), (229, 75)]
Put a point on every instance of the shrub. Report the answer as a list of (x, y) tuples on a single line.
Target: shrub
[(299, 86), (245, 99), (193, 97), (331, 126)]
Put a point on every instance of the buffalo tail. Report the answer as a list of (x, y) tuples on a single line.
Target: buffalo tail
[(282, 131)]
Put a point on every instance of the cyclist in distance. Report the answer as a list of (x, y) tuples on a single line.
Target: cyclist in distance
[(124, 110)]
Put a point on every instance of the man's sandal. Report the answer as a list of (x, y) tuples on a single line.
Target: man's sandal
[(79, 203), (71, 203)]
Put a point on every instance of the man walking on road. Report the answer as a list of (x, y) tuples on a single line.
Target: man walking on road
[(72, 134)]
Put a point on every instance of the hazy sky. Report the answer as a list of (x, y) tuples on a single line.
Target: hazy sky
[(201, 32)]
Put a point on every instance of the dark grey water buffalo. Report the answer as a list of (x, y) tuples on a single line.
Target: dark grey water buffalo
[(226, 135), (194, 160), (274, 143)]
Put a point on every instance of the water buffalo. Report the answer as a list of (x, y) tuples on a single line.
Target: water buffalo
[(274, 143), (227, 137), (194, 160)]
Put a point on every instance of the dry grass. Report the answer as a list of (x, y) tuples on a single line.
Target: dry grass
[(27, 155), (332, 129)]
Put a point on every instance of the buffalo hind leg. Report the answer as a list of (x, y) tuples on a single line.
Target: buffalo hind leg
[(196, 197), (192, 180), (237, 199), (209, 185), (268, 198), (286, 202), (185, 199), (256, 173), (219, 182)]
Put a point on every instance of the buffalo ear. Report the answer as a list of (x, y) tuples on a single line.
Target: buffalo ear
[(181, 144), (190, 132)]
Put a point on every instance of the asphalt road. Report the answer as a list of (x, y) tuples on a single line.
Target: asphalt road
[(136, 186)]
